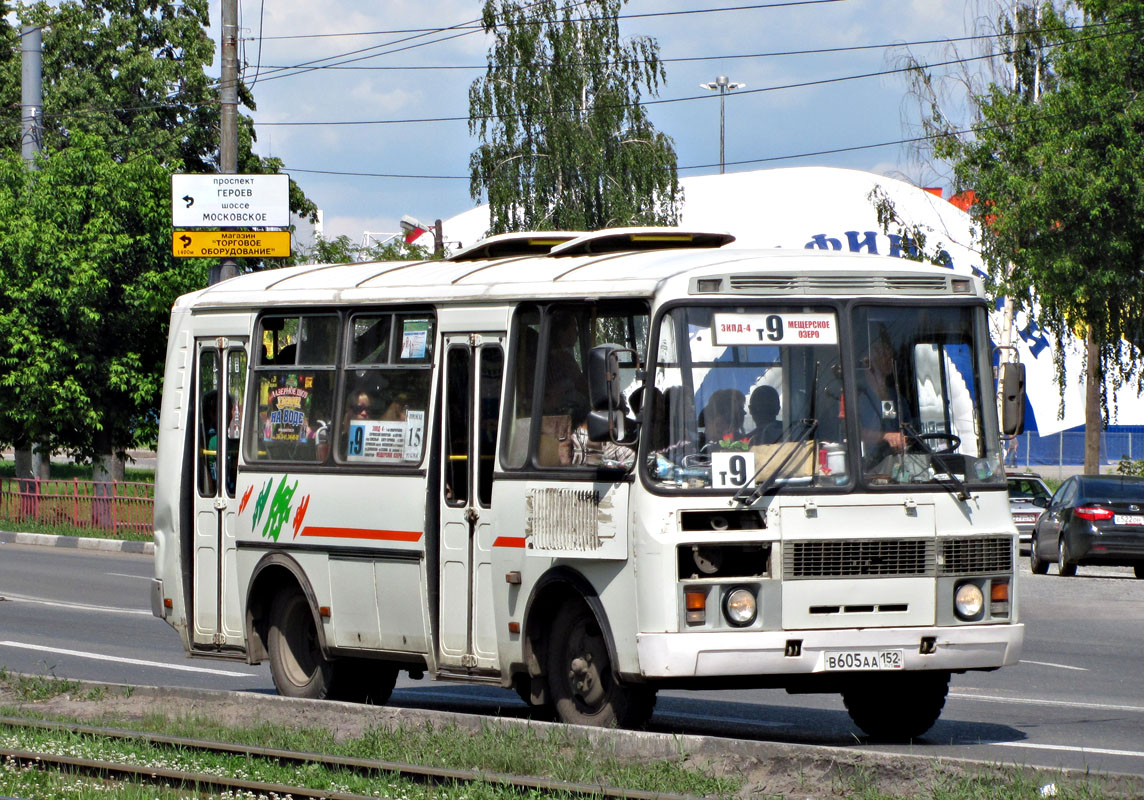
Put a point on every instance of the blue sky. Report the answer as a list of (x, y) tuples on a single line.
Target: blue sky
[(759, 124)]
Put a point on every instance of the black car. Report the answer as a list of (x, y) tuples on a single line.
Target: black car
[(1091, 519)]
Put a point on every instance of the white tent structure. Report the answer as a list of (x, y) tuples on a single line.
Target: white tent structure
[(832, 208)]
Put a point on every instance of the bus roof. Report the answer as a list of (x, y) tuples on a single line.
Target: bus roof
[(636, 272)]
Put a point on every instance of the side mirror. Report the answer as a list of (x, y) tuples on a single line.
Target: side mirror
[(1040, 502), (604, 376), (1012, 399)]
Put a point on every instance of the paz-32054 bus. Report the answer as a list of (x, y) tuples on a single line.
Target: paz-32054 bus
[(588, 467)]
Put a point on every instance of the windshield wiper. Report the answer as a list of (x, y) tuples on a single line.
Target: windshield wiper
[(949, 481)]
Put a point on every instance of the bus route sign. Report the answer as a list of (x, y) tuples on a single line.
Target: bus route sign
[(230, 244)]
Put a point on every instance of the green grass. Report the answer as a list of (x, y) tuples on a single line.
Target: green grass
[(557, 755), (554, 753)]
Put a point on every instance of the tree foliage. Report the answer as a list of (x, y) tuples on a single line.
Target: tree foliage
[(85, 253), (87, 278), (1054, 163), (565, 142), (342, 250)]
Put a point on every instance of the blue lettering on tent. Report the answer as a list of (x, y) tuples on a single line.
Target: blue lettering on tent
[(870, 242), (1033, 336), (820, 241)]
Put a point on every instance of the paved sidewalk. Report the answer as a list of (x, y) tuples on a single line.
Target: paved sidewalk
[(77, 542)]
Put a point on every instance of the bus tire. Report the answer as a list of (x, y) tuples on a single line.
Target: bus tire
[(896, 707), (297, 664), (363, 680), (581, 684)]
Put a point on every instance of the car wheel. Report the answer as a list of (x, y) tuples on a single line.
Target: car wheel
[(1064, 565), (1038, 565)]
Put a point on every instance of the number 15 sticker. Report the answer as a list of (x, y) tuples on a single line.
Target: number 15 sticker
[(730, 470)]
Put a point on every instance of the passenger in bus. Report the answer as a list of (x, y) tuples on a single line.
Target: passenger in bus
[(878, 407), (764, 407), (722, 419), (359, 406), (397, 409), (565, 385)]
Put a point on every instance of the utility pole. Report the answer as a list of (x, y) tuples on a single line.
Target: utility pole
[(228, 119), (29, 462)]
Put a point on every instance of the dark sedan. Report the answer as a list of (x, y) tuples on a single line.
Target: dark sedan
[(1091, 519)]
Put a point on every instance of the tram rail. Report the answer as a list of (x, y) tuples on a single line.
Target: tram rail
[(408, 771)]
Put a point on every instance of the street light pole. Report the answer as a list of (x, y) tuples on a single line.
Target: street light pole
[(722, 85)]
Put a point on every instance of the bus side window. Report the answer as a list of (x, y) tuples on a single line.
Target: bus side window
[(525, 346), (294, 381)]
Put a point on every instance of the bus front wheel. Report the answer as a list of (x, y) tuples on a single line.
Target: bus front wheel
[(297, 664), (896, 707), (581, 683)]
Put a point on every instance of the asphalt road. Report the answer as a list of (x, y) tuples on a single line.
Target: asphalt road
[(1076, 700)]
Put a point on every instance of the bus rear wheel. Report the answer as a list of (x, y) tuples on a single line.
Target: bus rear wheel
[(297, 664), (581, 684), (896, 707)]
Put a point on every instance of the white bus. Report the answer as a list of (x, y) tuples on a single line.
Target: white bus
[(588, 467)]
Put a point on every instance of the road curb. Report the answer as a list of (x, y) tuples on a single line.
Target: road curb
[(77, 542)]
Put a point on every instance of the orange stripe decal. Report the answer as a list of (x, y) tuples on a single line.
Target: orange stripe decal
[(363, 533), (509, 541)]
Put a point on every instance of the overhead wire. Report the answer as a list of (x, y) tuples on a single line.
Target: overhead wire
[(476, 27), (469, 27), (665, 101)]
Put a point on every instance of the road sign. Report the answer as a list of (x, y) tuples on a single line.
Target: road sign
[(218, 201), (230, 244)]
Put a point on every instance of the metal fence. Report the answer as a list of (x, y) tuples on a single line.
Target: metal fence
[(1064, 452), (113, 506)]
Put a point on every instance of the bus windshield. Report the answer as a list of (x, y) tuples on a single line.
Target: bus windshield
[(798, 396)]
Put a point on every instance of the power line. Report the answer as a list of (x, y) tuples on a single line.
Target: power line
[(680, 59), (664, 101), (472, 26)]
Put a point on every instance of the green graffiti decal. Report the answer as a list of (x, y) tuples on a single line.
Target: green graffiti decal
[(279, 513), (260, 503)]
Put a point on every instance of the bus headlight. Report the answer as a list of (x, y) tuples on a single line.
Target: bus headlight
[(739, 607), (968, 601)]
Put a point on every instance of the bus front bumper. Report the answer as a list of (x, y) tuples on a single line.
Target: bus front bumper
[(745, 653)]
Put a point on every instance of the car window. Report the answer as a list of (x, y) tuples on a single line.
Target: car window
[(1060, 499)]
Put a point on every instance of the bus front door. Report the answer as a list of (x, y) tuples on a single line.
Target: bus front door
[(221, 384), (474, 367)]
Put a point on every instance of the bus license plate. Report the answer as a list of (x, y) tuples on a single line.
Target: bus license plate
[(1128, 519), (863, 660)]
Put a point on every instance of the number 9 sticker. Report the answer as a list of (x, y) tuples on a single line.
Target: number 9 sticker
[(731, 470)]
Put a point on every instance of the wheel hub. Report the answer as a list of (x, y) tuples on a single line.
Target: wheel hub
[(585, 678)]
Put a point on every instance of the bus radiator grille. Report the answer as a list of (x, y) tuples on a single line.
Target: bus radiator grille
[(858, 558), (976, 555)]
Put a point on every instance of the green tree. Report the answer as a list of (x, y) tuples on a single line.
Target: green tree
[(86, 274), (89, 278), (136, 74), (1054, 162), (565, 142), (342, 250)]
